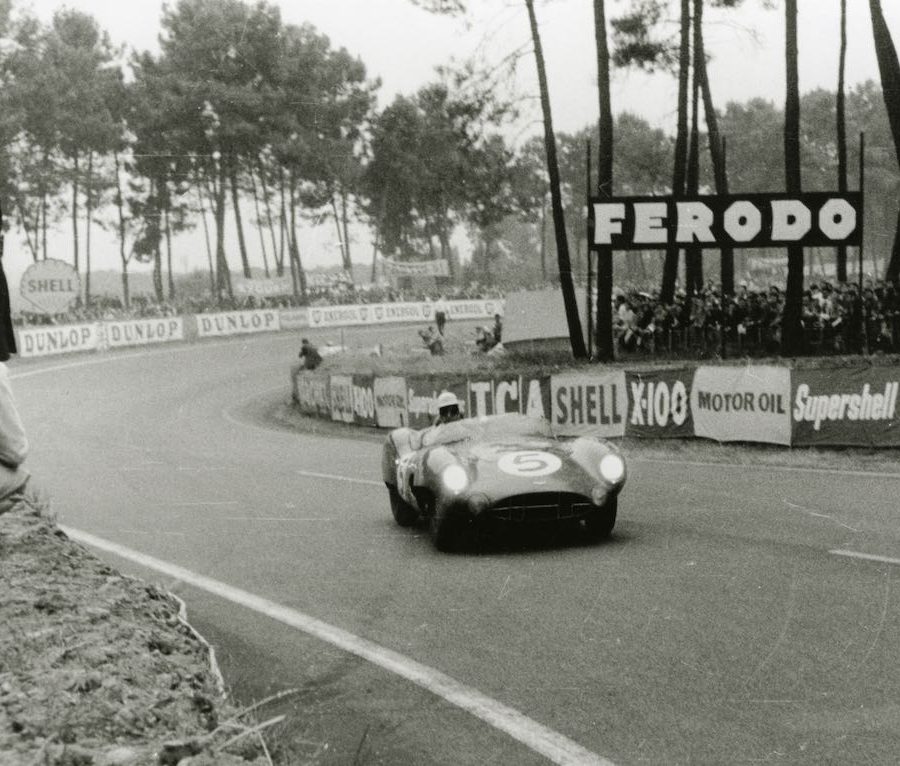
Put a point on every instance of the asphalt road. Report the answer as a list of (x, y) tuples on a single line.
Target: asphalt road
[(717, 626)]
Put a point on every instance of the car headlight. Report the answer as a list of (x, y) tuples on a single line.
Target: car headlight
[(455, 478), (612, 468)]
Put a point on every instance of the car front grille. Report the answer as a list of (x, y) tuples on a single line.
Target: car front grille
[(542, 506)]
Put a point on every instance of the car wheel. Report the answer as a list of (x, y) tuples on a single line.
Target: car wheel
[(404, 514), (600, 523)]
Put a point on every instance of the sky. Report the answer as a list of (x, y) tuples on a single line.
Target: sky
[(402, 44)]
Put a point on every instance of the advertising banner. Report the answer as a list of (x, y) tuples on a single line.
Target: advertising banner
[(749, 404), (659, 404), (475, 309), (64, 339), (143, 332), (335, 316), (384, 313), (237, 323), (422, 394), (436, 268), (312, 394), (50, 286), (390, 402), (846, 407), (293, 319), (511, 393), (593, 403), (263, 287), (341, 390), (364, 400), (813, 219)]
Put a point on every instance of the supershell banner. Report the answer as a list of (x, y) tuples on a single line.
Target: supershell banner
[(311, 393), (422, 394), (390, 402), (589, 403), (742, 404), (363, 395), (659, 404), (846, 407), (501, 395)]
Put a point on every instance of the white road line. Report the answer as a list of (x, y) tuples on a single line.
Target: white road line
[(551, 744), (191, 503), (768, 467), (336, 477), (865, 556), (277, 518)]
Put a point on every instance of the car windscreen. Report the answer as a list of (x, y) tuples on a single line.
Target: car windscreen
[(478, 429)]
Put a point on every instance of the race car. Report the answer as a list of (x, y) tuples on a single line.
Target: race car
[(500, 468)]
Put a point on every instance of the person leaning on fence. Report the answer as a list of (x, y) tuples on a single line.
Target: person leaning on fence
[(18, 490), (309, 355)]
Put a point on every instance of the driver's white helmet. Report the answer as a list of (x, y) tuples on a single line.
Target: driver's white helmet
[(447, 399)]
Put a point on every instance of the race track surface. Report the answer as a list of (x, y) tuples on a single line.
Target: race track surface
[(717, 626)]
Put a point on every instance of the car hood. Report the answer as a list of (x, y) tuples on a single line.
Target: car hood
[(502, 467)]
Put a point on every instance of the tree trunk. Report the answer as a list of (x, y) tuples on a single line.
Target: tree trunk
[(279, 265), (340, 235), (716, 146), (842, 135), (670, 265), (24, 224), (120, 206), (167, 204), (576, 335), (89, 211), (259, 227), (693, 252), (157, 253), (295, 248), (209, 257), (282, 226), (242, 245), (345, 222), (889, 66), (791, 327), (605, 347), (223, 275), (75, 213), (543, 250)]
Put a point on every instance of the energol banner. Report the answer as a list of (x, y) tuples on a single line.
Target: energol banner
[(846, 407), (742, 404)]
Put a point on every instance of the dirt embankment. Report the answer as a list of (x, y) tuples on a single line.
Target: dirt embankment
[(98, 669)]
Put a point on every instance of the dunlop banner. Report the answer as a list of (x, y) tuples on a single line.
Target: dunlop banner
[(64, 339), (390, 402), (742, 404), (497, 396), (659, 404), (312, 394), (846, 407), (364, 400), (589, 403), (142, 332), (341, 391), (422, 394), (237, 323)]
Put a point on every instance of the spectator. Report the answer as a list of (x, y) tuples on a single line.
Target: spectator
[(309, 355), (498, 329), (432, 341)]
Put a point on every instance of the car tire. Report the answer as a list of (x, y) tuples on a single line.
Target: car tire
[(600, 523), (404, 514)]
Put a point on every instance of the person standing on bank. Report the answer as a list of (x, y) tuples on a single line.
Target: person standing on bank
[(309, 355), (18, 491)]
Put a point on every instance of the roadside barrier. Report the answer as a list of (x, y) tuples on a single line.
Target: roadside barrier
[(766, 404), (49, 340)]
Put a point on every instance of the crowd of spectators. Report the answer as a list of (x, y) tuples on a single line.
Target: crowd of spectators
[(836, 319)]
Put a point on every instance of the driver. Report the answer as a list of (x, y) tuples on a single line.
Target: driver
[(448, 408)]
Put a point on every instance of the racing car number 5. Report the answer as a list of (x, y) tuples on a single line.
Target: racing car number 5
[(532, 463)]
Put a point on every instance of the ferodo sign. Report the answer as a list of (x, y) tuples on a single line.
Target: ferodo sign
[(816, 219), (45, 341), (749, 404), (50, 286), (659, 404), (140, 332), (846, 407), (498, 396), (237, 323), (589, 403)]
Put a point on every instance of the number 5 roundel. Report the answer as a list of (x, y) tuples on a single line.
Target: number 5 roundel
[(529, 463)]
